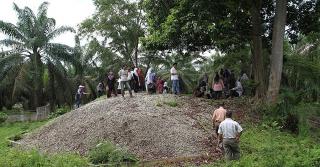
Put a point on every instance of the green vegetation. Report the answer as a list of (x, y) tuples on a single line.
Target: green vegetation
[(13, 157), (266, 146), (171, 103), (108, 153), (239, 36), (59, 111), (3, 117)]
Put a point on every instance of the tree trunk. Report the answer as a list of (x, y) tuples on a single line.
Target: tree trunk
[(38, 78), (256, 49), (136, 52), (52, 97), (276, 58), (136, 56)]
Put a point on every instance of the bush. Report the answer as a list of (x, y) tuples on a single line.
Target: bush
[(58, 112), (107, 153), (172, 103), (3, 117), (249, 87)]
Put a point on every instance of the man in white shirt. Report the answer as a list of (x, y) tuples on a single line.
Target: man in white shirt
[(237, 91), (175, 79), (123, 74), (230, 131)]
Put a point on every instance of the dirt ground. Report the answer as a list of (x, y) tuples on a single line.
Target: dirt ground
[(157, 128)]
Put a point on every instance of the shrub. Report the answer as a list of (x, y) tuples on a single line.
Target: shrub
[(172, 103), (249, 87), (3, 117), (58, 112), (106, 152)]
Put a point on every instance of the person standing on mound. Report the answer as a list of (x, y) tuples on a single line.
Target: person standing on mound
[(79, 94), (175, 79), (123, 74), (111, 81)]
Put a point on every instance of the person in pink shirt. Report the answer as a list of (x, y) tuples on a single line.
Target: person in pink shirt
[(218, 116), (217, 87)]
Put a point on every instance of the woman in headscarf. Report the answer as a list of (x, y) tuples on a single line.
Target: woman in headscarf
[(150, 81)]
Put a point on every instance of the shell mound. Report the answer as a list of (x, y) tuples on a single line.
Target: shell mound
[(149, 126)]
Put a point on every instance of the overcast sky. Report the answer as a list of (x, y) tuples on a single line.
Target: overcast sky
[(65, 12)]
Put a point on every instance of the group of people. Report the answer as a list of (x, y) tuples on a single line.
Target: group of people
[(157, 84), (133, 79), (228, 132), (224, 84)]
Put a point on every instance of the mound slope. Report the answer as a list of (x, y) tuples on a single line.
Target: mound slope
[(145, 124)]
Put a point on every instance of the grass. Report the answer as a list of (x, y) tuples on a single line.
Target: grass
[(168, 102), (108, 153), (171, 103), (268, 147), (12, 157)]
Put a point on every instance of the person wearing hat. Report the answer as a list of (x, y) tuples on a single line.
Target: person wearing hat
[(79, 94)]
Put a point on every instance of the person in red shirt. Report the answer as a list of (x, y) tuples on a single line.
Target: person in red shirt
[(141, 78), (160, 84)]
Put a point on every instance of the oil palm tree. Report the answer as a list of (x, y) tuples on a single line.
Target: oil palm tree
[(30, 48)]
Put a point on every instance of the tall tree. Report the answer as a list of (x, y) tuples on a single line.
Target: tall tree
[(276, 58), (256, 49), (120, 23), (223, 24), (30, 43)]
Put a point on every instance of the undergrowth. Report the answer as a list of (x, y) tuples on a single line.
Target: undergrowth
[(59, 111), (108, 153), (12, 157), (266, 146)]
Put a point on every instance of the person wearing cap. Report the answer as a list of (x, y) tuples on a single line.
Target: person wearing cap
[(175, 79), (230, 132), (79, 94), (123, 74)]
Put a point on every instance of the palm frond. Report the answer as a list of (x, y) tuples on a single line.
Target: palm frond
[(60, 30), (11, 43), (26, 21), (59, 51), (8, 62), (11, 30), (42, 10), (20, 82)]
